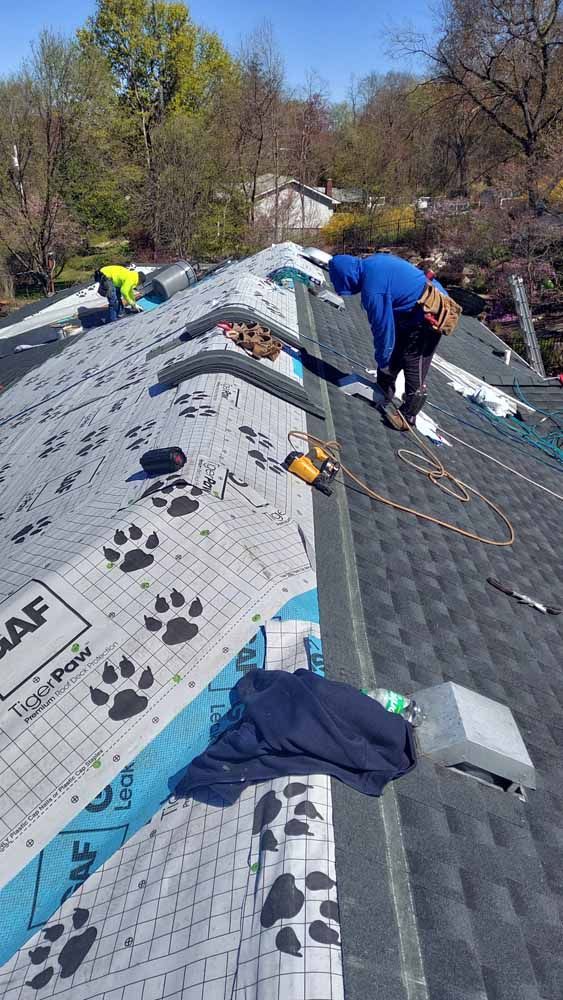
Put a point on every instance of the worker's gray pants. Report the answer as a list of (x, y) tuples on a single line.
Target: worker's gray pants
[(412, 354)]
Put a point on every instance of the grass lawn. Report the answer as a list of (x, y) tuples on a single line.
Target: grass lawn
[(81, 267)]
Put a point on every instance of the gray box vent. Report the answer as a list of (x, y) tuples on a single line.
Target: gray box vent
[(475, 735)]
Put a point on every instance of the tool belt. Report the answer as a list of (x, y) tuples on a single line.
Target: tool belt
[(106, 287), (439, 310), (256, 340)]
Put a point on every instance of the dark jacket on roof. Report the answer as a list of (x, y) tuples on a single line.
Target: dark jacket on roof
[(284, 724)]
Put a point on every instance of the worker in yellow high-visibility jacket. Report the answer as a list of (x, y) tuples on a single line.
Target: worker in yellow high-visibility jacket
[(118, 283)]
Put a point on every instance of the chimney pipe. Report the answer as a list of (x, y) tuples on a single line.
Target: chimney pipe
[(328, 187)]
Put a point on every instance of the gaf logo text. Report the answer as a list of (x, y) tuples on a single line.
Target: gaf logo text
[(36, 625)]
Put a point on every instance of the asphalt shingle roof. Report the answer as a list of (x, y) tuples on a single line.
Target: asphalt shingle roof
[(480, 352), (14, 366), (485, 869)]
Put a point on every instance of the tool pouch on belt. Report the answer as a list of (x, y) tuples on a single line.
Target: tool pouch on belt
[(255, 340), (105, 286), (443, 312)]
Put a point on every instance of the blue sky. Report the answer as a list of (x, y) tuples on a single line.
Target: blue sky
[(334, 37)]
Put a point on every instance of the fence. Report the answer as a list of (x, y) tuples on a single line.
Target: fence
[(363, 239), (551, 347)]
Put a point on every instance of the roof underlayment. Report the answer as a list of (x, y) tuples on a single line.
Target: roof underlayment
[(151, 607), (144, 601)]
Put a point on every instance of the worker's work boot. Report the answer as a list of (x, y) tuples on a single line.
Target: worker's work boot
[(403, 418), (393, 416)]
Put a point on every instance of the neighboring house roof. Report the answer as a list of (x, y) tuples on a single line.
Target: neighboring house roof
[(267, 182), (346, 195), (267, 186), (351, 195), (479, 869)]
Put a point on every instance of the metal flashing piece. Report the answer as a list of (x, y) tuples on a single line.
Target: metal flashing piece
[(320, 257), (359, 385)]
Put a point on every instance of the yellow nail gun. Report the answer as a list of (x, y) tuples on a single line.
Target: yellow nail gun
[(317, 468)]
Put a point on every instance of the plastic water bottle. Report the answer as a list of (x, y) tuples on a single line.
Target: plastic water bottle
[(397, 703)]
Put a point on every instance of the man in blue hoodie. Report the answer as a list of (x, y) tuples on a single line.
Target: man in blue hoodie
[(408, 312)]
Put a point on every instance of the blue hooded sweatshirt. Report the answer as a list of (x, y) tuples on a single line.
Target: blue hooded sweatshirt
[(388, 285)]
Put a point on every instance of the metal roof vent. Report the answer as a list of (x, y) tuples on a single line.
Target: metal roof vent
[(320, 257), (474, 735)]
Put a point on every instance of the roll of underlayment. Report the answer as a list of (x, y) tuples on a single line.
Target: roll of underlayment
[(175, 278)]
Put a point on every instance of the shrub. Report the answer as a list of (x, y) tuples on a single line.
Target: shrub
[(369, 229), (339, 225)]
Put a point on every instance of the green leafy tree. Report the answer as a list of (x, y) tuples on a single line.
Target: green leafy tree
[(162, 62)]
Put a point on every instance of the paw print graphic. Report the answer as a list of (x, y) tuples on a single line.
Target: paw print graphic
[(180, 505), (192, 411), (140, 435), (48, 414), (127, 702), (103, 378), (30, 529), (287, 895), (178, 629), (170, 360), (134, 559), (23, 421), (136, 372), (93, 440), (53, 444), (71, 955), (255, 437), (41, 384), (262, 461)]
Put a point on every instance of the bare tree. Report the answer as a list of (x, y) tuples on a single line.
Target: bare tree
[(385, 156), (255, 114), (308, 123), (465, 146), (504, 56), (43, 107)]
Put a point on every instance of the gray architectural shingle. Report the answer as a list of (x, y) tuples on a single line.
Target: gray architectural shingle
[(485, 869)]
